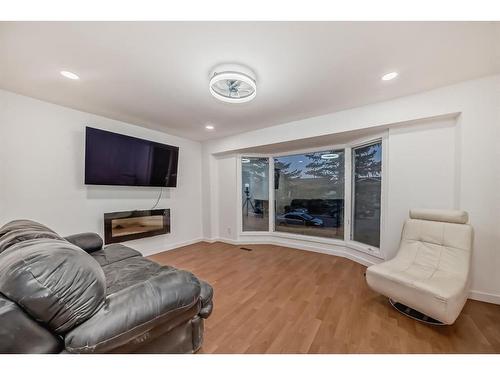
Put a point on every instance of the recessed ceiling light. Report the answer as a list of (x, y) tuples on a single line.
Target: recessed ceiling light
[(209, 127), (69, 75), (389, 76), (329, 156)]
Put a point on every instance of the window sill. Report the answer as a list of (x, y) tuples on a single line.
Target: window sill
[(256, 233), (367, 249), (352, 245), (302, 237)]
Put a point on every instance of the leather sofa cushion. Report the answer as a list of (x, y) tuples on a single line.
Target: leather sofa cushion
[(24, 224), (55, 282), (132, 311), (23, 230), (114, 253), (134, 270), (20, 235)]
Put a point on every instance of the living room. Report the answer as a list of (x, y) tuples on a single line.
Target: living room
[(249, 186)]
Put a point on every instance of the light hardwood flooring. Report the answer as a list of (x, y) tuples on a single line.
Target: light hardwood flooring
[(279, 300)]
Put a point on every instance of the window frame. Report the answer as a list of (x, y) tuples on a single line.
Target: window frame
[(239, 196), (348, 190), (304, 237), (359, 246)]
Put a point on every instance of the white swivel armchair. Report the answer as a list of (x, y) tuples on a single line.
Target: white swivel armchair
[(430, 272)]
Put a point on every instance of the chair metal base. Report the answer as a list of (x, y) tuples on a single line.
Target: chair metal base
[(414, 314)]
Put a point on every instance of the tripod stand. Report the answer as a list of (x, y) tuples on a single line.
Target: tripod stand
[(247, 202)]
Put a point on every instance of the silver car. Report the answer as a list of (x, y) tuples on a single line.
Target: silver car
[(299, 218)]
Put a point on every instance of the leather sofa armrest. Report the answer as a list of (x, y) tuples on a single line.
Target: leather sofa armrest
[(130, 313), (19, 333), (89, 241), (206, 297)]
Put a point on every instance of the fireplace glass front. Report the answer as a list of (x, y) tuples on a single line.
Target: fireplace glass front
[(132, 225)]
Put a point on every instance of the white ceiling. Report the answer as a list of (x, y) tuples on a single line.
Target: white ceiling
[(155, 74)]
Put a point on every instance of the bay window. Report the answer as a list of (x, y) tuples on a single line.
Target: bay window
[(330, 195)]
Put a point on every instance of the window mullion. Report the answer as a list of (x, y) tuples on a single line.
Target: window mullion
[(271, 195), (347, 194)]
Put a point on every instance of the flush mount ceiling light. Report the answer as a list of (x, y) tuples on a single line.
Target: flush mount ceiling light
[(389, 76), (233, 84), (69, 75), (209, 127), (329, 156)]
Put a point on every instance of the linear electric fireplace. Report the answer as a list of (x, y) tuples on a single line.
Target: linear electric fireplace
[(131, 225)]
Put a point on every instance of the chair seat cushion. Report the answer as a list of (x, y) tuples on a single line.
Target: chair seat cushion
[(431, 291)]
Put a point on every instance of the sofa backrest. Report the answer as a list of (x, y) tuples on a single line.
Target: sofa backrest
[(438, 240), (52, 280), (22, 230)]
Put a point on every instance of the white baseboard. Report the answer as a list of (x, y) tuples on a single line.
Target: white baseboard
[(484, 297), (332, 250), (171, 247), (225, 240)]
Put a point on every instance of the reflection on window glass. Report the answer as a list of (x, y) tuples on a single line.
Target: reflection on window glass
[(309, 194), (367, 178), (255, 193)]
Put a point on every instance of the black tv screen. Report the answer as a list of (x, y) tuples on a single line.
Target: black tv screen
[(116, 159)]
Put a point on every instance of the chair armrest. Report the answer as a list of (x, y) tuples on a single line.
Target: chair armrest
[(133, 311), (89, 242)]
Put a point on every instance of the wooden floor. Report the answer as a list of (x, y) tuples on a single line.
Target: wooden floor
[(279, 300)]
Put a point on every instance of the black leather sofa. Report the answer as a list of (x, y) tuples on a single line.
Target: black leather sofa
[(71, 295)]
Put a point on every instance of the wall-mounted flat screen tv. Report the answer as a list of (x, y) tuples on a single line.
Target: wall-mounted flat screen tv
[(116, 159)]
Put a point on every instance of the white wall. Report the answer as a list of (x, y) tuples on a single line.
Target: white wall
[(470, 158), (228, 197), (42, 174), (422, 163)]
